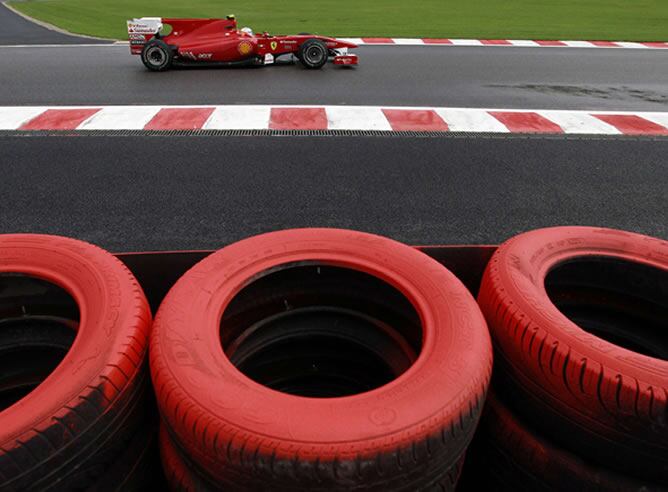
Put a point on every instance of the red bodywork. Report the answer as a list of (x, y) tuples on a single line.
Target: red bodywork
[(219, 40)]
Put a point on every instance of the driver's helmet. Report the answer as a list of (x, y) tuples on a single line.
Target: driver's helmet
[(247, 30)]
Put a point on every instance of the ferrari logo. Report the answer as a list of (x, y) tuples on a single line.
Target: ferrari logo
[(273, 45), (245, 47)]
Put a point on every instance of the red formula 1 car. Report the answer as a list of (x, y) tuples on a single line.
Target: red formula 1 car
[(218, 41)]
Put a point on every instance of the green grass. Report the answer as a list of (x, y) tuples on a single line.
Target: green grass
[(620, 20)]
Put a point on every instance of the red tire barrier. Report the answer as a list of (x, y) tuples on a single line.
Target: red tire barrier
[(579, 318), (406, 433), (507, 455), (73, 427)]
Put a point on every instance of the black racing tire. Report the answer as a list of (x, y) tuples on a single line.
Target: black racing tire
[(157, 56), (313, 53), (509, 455)]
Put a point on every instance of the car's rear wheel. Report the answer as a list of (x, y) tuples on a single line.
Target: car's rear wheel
[(313, 53), (157, 56)]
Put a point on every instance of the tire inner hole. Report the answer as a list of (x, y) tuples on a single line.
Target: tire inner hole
[(622, 302), (321, 331), (38, 324)]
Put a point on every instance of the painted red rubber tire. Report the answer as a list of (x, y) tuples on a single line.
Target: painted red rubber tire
[(405, 435), (71, 423), (593, 397), (507, 455), (179, 477)]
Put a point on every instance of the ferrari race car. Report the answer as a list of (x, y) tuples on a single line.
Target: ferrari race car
[(218, 41)]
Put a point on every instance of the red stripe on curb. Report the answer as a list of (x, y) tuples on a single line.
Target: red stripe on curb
[(298, 119), (526, 122), (655, 45), (605, 44), (59, 119), (548, 42), (496, 42), (632, 125), (378, 40), (436, 41), (179, 119), (414, 119)]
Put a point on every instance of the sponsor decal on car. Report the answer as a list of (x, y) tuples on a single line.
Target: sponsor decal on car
[(141, 29), (136, 36), (245, 47), (205, 56), (273, 45)]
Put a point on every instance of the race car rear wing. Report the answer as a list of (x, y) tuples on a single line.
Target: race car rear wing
[(141, 31)]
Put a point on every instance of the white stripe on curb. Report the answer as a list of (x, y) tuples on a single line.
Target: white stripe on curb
[(524, 43), (580, 123), (239, 118), (13, 117), (627, 44), (407, 41), (658, 118), (579, 44), (465, 42), (356, 118), (471, 120), (120, 118)]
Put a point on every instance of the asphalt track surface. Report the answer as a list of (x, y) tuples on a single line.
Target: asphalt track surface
[(487, 77), (161, 193), (14, 29)]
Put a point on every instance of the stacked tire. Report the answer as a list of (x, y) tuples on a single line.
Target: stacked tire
[(318, 359), (74, 383), (579, 322)]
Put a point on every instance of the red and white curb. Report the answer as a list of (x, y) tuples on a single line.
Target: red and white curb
[(524, 43), (24, 118)]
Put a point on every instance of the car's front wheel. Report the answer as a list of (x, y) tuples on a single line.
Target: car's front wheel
[(313, 53), (157, 56)]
